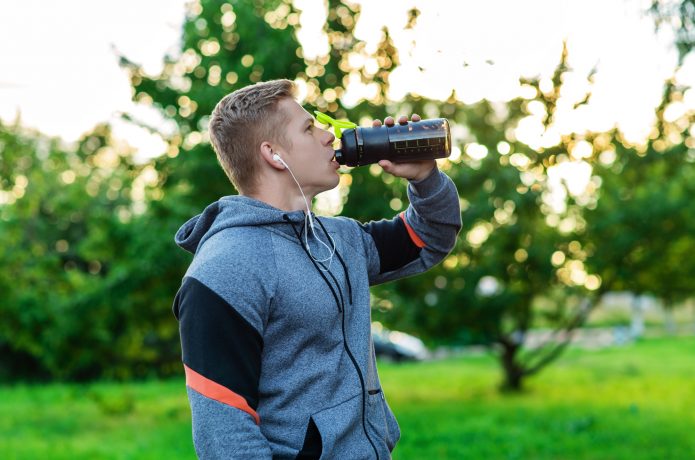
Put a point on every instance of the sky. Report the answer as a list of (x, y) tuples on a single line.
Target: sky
[(59, 68), (60, 72)]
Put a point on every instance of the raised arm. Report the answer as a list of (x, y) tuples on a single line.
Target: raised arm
[(421, 236)]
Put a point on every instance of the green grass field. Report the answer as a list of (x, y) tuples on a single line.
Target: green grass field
[(632, 402)]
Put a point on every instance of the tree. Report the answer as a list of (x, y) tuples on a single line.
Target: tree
[(514, 266), (75, 256), (111, 277), (640, 235)]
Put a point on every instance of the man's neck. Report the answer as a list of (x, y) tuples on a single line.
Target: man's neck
[(283, 201)]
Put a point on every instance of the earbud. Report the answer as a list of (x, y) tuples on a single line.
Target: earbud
[(277, 158)]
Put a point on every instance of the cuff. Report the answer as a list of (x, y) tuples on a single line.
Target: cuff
[(429, 184)]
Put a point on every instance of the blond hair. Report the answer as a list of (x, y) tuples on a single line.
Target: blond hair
[(244, 119)]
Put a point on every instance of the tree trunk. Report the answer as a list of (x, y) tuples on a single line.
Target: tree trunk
[(637, 323), (513, 372), (669, 320)]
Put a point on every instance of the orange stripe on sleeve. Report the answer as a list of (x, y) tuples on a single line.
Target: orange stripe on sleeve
[(413, 236), (213, 390)]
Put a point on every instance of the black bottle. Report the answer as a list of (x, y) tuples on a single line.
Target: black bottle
[(418, 140)]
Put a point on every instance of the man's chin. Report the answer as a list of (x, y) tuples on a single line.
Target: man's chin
[(330, 185), (334, 179)]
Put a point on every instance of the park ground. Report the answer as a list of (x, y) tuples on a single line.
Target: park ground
[(625, 402)]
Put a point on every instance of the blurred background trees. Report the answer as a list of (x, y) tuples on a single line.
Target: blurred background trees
[(639, 236), (91, 267), (78, 274), (678, 15)]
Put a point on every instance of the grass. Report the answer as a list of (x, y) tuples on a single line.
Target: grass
[(632, 402), (149, 420)]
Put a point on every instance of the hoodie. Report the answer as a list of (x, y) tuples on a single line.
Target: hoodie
[(275, 326)]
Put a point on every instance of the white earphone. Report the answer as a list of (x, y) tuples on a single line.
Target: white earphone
[(277, 158)]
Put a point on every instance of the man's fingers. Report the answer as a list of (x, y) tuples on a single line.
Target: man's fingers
[(393, 168), (402, 120), (386, 164)]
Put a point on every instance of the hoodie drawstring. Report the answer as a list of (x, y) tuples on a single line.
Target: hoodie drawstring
[(340, 303), (342, 262), (328, 283)]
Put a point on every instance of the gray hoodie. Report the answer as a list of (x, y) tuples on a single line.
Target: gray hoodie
[(275, 333)]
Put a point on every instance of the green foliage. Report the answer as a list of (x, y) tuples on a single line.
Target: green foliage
[(590, 405), (69, 255), (225, 46), (640, 236), (91, 268)]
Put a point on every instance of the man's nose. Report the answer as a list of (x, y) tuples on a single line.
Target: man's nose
[(328, 137)]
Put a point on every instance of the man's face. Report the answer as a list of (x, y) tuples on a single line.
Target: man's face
[(310, 155)]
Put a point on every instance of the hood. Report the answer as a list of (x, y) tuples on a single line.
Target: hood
[(231, 211)]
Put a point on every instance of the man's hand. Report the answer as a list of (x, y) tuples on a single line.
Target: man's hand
[(414, 170)]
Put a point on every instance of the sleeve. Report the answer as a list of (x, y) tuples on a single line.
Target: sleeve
[(418, 238), (221, 353)]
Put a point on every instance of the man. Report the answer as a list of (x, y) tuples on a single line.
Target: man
[(274, 309)]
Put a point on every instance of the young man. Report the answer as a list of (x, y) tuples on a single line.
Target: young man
[(274, 309)]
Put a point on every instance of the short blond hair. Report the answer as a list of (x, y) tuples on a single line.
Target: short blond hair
[(244, 119)]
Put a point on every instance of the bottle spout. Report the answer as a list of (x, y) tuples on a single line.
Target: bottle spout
[(339, 157)]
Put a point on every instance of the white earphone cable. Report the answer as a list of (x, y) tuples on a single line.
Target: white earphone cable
[(331, 251)]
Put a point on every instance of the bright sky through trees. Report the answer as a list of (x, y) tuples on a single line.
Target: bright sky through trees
[(59, 70)]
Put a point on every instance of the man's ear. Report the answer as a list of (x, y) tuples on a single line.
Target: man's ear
[(268, 152)]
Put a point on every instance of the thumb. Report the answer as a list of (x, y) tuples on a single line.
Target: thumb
[(386, 165)]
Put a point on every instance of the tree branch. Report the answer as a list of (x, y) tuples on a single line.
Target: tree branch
[(577, 320)]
